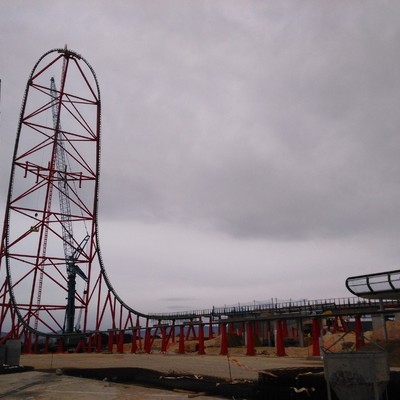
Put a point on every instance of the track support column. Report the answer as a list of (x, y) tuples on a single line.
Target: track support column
[(201, 339), (250, 339), (147, 340), (279, 342), (316, 332), (224, 340)]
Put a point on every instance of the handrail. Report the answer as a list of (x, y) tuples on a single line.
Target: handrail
[(381, 285)]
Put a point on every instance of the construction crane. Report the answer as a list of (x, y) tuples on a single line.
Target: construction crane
[(71, 252)]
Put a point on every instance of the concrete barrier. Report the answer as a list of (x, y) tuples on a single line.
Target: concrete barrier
[(13, 352), (357, 375)]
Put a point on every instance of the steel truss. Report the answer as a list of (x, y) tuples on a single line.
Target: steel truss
[(61, 109)]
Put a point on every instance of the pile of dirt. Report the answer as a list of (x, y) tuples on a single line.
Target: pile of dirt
[(392, 329)]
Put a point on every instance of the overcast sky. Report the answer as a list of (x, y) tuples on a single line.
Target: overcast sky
[(250, 149)]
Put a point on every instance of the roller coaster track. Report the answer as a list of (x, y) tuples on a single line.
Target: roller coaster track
[(33, 273)]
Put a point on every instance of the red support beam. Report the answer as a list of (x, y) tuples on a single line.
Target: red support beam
[(201, 340), (224, 340), (280, 346), (250, 339), (147, 340), (316, 331)]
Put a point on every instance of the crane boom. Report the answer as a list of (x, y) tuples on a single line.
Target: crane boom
[(71, 252), (61, 166)]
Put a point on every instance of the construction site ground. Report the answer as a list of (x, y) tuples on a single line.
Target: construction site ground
[(47, 380), (119, 376)]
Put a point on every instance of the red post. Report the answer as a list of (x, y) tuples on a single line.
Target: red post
[(250, 339), (181, 340), (316, 351), (147, 340), (359, 332), (224, 340), (280, 345), (201, 339)]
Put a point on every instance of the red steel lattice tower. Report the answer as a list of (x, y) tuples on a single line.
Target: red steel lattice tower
[(52, 279)]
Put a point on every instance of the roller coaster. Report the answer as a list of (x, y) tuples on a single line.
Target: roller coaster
[(53, 283)]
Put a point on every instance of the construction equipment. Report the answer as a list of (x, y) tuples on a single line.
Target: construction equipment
[(71, 252)]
